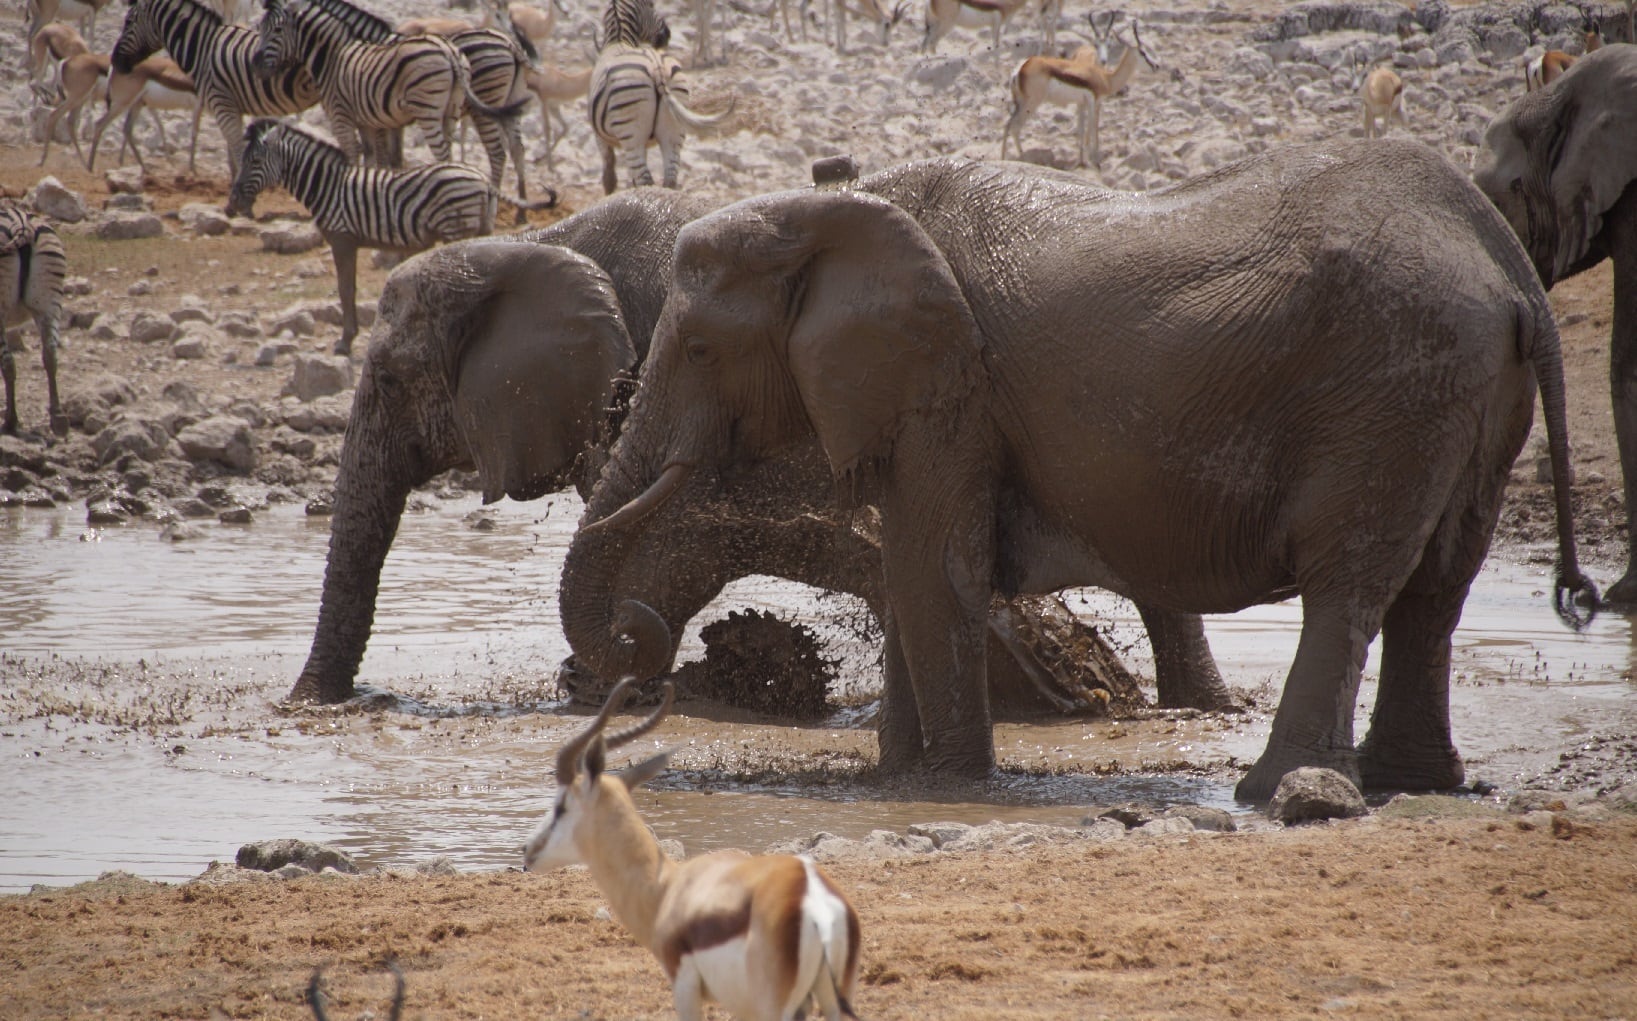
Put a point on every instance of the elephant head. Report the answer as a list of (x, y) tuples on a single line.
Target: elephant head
[(827, 317), (1558, 161), (494, 355)]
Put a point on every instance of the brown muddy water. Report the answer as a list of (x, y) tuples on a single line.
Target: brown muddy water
[(139, 725)]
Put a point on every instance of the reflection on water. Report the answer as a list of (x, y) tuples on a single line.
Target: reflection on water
[(469, 616)]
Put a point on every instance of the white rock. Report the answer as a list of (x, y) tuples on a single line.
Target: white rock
[(130, 227), (57, 202), (147, 327), (319, 376), (291, 238)]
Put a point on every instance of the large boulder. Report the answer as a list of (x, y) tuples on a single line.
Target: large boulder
[(1312, 794), (147, 327), (319, 376), (290, 238), (272, 855), (130, 227), (145, 438), (222, 438)]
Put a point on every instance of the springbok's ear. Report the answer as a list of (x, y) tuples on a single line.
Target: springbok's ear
[(645, 770)]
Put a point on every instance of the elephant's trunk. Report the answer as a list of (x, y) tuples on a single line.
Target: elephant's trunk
[(369, 503)]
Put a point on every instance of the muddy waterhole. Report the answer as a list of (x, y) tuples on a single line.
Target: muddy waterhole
[(140, 724)]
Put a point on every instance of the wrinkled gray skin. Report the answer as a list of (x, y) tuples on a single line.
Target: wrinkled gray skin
[(461, 374), (1307, 373), (777, 518), (1561, 163)]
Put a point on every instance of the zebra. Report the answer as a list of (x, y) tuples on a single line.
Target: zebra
[(497, 65), (371, 88), (218, 57), (32, 268), (637, 95), (365, 207)]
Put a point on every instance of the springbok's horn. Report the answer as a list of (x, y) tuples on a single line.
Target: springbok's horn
[(568, 759), (636, 730)]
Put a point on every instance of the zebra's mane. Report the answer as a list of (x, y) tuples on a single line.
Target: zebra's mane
[(300, 138), (192, 9), (365, 25), (634, 23)]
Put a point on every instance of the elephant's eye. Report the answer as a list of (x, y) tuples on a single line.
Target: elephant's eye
[(699, 352)]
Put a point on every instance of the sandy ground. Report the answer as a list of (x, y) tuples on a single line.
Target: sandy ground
[(1467, 912)]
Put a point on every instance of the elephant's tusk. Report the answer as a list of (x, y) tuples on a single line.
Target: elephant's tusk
[(669, 481)]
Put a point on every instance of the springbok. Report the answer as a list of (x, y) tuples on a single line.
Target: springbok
[(42, 12), (1383, 99), (553, 87), (526, 22), (1080, 80), (1549, 66), (80, 79), (943, 16), (52, 45), (157, 84), (762, 936)]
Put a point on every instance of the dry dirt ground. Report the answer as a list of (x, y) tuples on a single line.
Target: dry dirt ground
[(1477, 916), (1472, 913)]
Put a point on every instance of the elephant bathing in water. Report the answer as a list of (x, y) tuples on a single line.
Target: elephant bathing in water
[(499, 355), (1561, 164), (1306, 373)]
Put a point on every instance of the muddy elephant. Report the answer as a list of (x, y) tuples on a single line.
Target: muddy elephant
[(1305, 374), (1561, 163), (463, 371)]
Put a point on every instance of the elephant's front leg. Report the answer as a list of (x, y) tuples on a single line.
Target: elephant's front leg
[(898, 727), (1621, 228), (344, 250), (938, 549)]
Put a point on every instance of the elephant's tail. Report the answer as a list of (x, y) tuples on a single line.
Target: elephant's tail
[(1574, 595)]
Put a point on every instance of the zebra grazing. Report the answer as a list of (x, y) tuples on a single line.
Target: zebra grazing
[(497, 65), (219, 59), (32, 268), (637, 95), (365, 207), (371, 88)]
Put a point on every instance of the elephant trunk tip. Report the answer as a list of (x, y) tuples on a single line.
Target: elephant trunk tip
[(1575, 598)]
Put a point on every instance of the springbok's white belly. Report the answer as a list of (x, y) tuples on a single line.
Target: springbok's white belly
[(165, 98), (971, 17), (1064, 94), (727, 980)]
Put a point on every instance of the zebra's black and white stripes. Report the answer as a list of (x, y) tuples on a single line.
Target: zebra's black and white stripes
[(637, 96), (33, 266), (364, 207), (220, 60)]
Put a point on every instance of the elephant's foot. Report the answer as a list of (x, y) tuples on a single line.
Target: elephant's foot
[(898, 759), (1622, 595), (312, 688), (1426, 768), (1199, 690), (1263, 779)]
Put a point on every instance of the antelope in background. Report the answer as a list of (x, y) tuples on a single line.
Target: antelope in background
[(1549, 66), (1080, 80), (156, 84), (52, 45), (1382, 93), (762, 936)]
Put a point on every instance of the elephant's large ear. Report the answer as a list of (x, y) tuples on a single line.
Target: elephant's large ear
[(532, 362), (1582, 138), (880, 330)]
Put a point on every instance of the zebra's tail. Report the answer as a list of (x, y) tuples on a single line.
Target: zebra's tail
[(503, 112), (690, 119)]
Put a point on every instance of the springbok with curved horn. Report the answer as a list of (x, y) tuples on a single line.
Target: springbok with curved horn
[(763, 936), (1549, 66), (1080, 80)]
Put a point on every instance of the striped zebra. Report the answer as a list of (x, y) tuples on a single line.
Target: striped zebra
[(365, 207), (219, 59), (497, 65), (368, 90), (32, 268), (637, 95)]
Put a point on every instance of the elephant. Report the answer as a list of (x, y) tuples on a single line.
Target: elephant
[(1560, 164), (460, 374), (1306, 373), (411, 420)]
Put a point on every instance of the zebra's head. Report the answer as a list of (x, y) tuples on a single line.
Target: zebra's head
[(277, 45), (139, 39), (257, 167), (634, 23)]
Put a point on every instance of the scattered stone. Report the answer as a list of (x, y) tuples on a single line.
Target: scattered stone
[(269, 855), (180, 531), (269, 354), (106, 512), (127, 203), (220, 438), (319, 376), (1312, 793), (236, 516), (148, 327), (78, 287), (290, 238), (55, 201), (238, 324), (127, 180), (191, 310), (203, 219), (142, 437), (130, 227), (1535, 801), (439, 866), (190, 346), (1212, 820), (320, 506)]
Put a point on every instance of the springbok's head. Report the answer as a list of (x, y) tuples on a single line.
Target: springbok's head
[(585, 792)]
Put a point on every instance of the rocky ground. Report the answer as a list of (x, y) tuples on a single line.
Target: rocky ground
[(199, 385)]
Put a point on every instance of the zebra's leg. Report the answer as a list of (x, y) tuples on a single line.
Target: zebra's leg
[(193, 142), (231, 124), (8, 369), (437, 129), (347, 137), (668, 133), (47, 322), (344, 251), (636, 161)]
